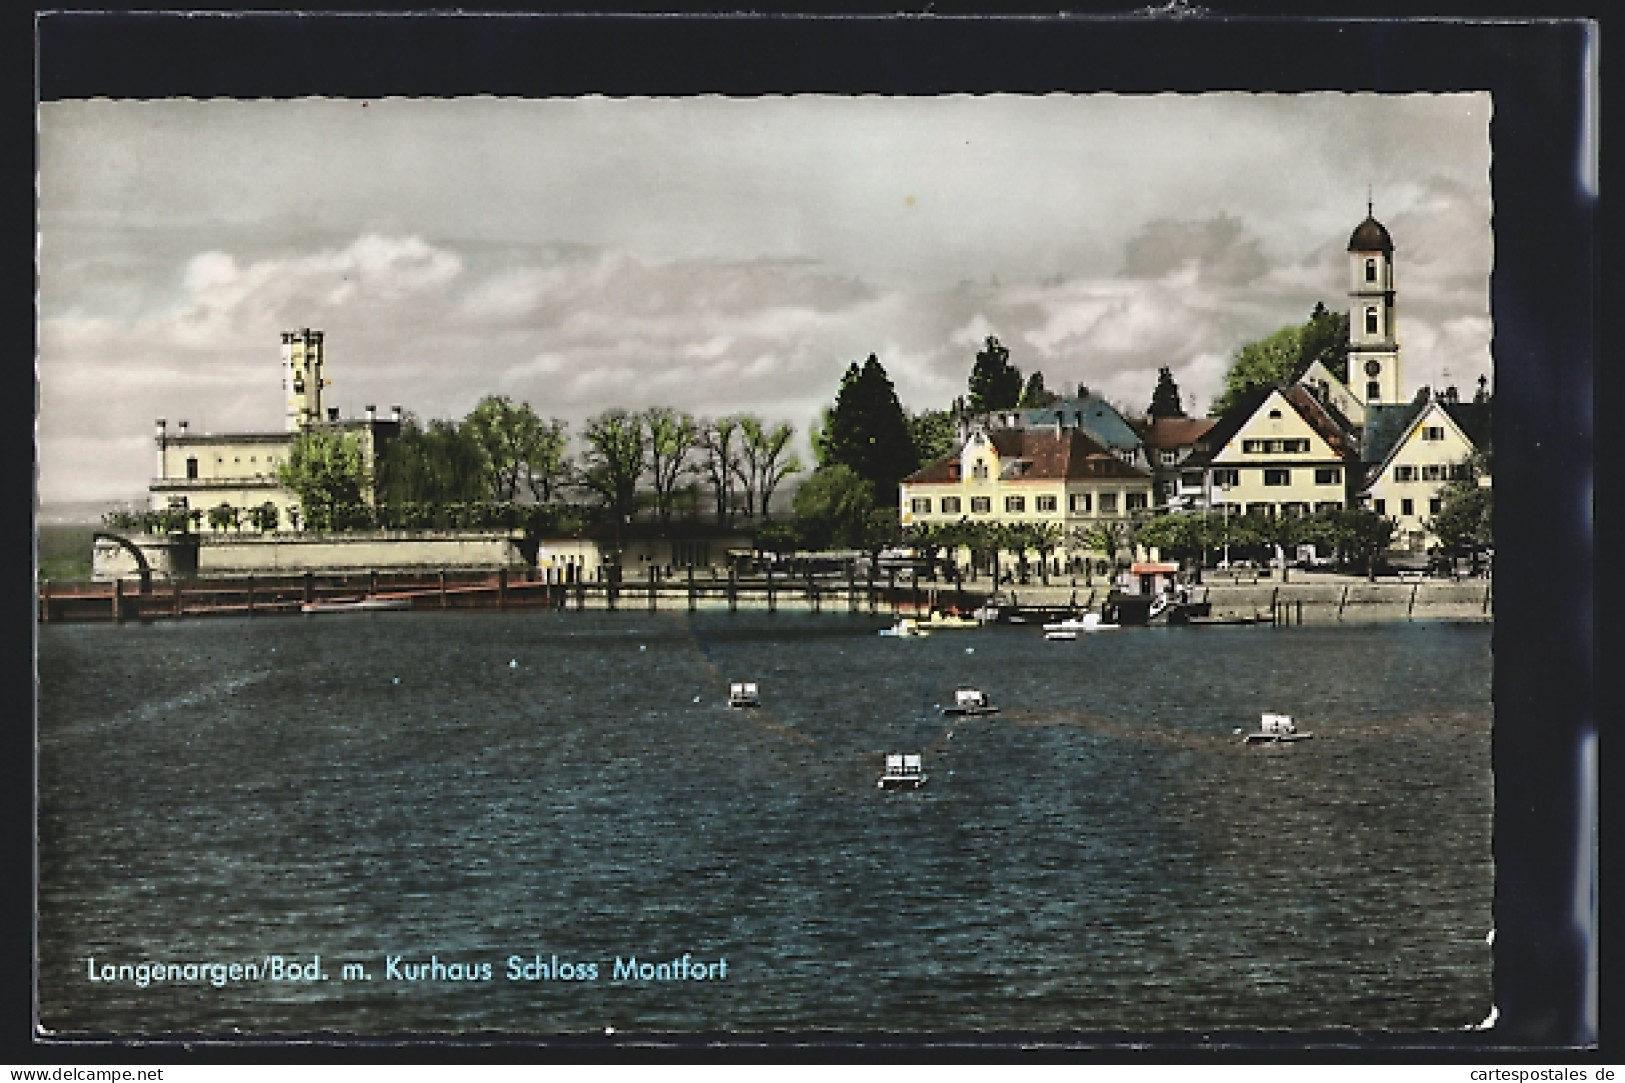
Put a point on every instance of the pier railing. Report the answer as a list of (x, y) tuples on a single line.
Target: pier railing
[(610, 589)]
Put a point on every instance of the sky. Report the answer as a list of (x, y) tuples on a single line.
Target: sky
[(718, 255)]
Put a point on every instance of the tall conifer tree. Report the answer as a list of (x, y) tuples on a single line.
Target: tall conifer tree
[(869, 432)]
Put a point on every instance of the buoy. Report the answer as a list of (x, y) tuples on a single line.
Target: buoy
[(641, 647), (513, 663), (970, 650), (696, 699), (397, 680)]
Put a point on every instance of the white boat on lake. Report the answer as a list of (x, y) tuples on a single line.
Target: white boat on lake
[(743, 694), (1090, 622), (904, 771), (1277, 729), (970, 701), (905, 628)]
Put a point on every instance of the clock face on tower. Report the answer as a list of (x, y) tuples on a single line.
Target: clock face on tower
[(1372, 368)]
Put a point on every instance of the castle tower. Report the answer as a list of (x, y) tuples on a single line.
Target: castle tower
[(1374, 372), (302, 379)]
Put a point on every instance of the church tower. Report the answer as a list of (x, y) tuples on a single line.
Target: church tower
[(1374, 373), (302, 378)]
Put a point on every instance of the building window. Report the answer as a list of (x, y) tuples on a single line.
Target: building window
[(191, 469), (1435, 506), (1046, 503), (1461, 472), (1277, 477), (950, 505), (1136, 501), (1370, 321), (1328, 475), (1191, 479), (1329, 505), (920, 505), (1404, 473), (1433, 432), (1294, 510), (1108, 503), (981, 505), (1078, 502), (1275, 415), (1434, 472), (1296, 446), (1370, 270), (1373, 391), (1266, 510), (1407, 506), (1015, 503), (1380, 507), (1169, 458), (1226, 479), (978, 470)]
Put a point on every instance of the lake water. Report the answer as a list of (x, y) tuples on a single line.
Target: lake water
[(393, 789)]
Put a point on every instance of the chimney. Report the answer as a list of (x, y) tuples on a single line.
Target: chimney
[(332, 413), (395, 413), (183, 427), (372, 412), (162, 427)]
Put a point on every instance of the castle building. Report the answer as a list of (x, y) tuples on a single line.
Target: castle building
[(201, 472)]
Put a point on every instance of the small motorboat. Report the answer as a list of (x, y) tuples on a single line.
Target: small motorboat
[(1089, 622), (970, 701), (1276, 729), (904, 771), (987, 614), (743, 694), (950, 620), (905, 628), (351, 605)]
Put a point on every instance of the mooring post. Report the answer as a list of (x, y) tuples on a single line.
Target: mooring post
[(1300, 611), (45, 601), (1343, 601), (770, 602), (891, 589), (310, 587), (176, 591), (691, 599), (502, 588), (251, 595), (851, 586), (653, 579), (118, 600), (372, 581), (444, 601), (733, 587), (1409, 609)]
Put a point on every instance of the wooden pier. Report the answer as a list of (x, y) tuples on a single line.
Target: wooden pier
[(686, 588)]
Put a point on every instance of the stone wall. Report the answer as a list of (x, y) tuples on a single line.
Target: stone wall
[(296, 553)]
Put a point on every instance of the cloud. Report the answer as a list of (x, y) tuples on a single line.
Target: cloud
[(1216, 247)]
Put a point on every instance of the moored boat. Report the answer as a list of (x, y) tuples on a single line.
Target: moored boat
[(351, 605), (905, 628), (743, 694)]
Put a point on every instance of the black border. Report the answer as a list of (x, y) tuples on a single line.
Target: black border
[(1544, 295)]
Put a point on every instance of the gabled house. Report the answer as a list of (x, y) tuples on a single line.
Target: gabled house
[(1169, 443), (1412, 453), (1334, 393), (1277, 451), (1099, 420), (1027, 475)]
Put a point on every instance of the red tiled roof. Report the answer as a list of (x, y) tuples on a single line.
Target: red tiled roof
[(1172, 432), (1048, 455)]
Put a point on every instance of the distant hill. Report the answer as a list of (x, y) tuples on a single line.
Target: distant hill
[(83, 512)]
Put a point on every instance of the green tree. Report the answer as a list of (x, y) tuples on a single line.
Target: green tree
[(1035, 395), (1165, 399), (767, 460), (615, 456), (327, 472), (832, 508), (441, 464), (1466, 510), (671, 438), (995, 384), (935, 434), (221, 516), (868, 430), (719, 442), (266, 517), (1283, 356)]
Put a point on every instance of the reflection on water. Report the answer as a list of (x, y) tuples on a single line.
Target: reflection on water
[(1102, 855)]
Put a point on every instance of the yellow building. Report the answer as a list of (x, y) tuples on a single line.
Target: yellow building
[(201, 471), (1424, 447), (1051, 475), (1278, 451)]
